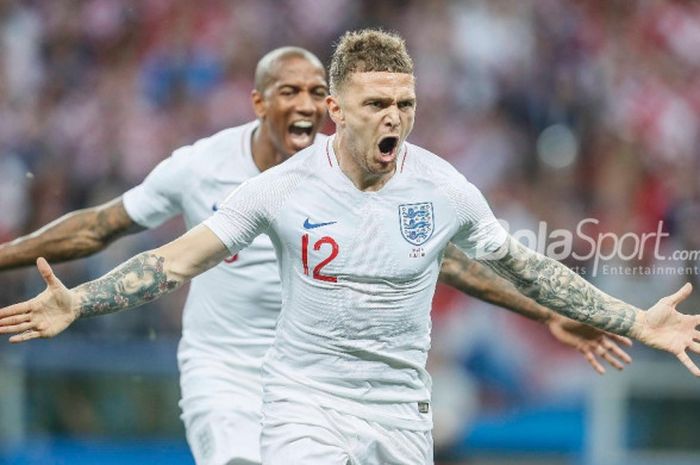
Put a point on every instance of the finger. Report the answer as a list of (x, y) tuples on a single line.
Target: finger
[(621, 339), (600, 349), (695, 346), (18, 328), (613, 361), (25, 336), (619, 353), (15, 319), (594, 362), (46, 272), (16, 309), (680, 295), (685, 360)]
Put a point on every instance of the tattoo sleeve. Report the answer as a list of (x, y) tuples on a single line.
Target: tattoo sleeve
[(74, 235), (475, 279), (137, 281), (555, 286)]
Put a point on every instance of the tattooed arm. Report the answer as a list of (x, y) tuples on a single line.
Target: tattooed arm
[(76, 234), (475, 279), (555, 286), (141, 279)]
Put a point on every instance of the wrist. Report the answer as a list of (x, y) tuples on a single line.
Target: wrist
[(640, 325), (75, 305), (547, 316)]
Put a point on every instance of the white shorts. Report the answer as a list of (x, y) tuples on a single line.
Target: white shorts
[(221, 411), (223, 435), (300, 434)]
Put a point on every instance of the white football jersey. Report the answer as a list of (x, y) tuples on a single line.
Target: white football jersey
[(231, 310), (358, 275)]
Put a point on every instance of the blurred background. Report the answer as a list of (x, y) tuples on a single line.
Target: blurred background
[(558, 110)]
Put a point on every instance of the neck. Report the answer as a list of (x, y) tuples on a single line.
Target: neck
[(264, 153), (360, 177)]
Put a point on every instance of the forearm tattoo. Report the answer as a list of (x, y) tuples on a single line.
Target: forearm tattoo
[(475, 279), (76, 234), (137, 281), (555, 286)]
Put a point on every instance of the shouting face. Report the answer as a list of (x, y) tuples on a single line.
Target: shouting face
[(374, 114), (292, 104)]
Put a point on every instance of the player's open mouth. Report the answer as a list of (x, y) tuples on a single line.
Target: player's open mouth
[(387, 147), (300, 133)]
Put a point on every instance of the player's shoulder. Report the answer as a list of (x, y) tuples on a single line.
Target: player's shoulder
[(305, 162), (430, 171), (209, 155), (424, 163), (224, 142), (276, 185)]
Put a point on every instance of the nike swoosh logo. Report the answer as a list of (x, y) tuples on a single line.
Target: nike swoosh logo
[(215, 207), (308, 225)]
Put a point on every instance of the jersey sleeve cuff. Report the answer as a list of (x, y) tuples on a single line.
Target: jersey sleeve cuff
[(217, 224)]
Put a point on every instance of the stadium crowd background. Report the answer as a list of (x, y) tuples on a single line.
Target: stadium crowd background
[(556, 110)]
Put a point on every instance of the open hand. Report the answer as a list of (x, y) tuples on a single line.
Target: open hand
[(591, 342), (665, 328), (45, 315)]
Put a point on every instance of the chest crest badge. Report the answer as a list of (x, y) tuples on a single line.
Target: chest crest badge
[(417, 222)]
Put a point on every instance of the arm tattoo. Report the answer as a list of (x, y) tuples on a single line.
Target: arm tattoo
[(557, 287), (475, 279), (137, 281), (74, 235)]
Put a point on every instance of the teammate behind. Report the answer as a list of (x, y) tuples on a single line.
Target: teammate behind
[(231, 310)]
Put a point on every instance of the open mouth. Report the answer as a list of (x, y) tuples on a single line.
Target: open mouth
[(387, 146), (301, 127), (301, 133)]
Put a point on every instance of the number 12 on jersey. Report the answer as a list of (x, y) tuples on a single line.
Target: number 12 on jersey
[(317, 246)]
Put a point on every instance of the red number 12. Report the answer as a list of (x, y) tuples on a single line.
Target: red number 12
[(317, 246)]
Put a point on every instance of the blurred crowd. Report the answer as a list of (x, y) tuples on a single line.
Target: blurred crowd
[(557, 110)]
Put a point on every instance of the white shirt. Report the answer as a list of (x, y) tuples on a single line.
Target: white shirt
[(232, 309), (358, 275)]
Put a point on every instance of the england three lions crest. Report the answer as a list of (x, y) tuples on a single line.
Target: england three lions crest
[(417, 222)]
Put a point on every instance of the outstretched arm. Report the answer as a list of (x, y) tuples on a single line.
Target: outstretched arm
[(555, 286), (143, 278), (74, 235), (475, 279)]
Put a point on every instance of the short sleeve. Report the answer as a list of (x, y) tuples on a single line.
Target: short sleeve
[(241, 217), (249, 210), (479, 233), (159, 197)]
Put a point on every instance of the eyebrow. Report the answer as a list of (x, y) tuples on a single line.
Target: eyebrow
[(388, 99), (377, 98), (299, 86)]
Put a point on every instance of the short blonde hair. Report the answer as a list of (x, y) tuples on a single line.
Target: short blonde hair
[(368, 50)]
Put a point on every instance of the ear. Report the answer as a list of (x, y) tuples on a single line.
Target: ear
[(334, 110), (259, 106)]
